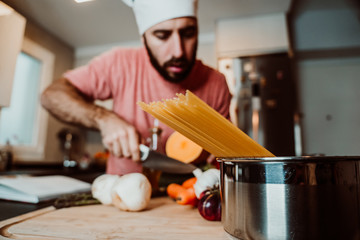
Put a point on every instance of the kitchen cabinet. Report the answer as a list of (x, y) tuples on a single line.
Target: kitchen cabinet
[(12, 26), (255, 35)]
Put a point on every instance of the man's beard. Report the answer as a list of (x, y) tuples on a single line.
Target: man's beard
[(182, 62)]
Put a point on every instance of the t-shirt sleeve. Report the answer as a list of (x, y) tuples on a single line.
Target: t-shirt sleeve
[(94, 79)]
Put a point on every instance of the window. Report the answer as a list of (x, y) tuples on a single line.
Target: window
[(17, 121), (24, 122)]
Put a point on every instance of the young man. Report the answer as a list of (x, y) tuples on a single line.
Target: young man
[(166, 65)]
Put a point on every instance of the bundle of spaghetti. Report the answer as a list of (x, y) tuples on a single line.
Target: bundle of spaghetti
[(196, 120)]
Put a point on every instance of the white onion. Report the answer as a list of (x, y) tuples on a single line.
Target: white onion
[(131, 192), (101, 188), (208, 179)]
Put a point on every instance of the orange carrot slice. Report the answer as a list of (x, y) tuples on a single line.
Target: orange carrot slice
[(182, 195), (189, 182), (187, 197), (173, 190), (181, 148)]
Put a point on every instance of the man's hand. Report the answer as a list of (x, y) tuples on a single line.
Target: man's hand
[(68, 104), (119, 137)]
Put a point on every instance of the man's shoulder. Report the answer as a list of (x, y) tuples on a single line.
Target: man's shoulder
[(209, 70), (119, 57), (121, 51)]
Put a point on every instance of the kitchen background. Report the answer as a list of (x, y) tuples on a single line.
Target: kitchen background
[(293, 68)]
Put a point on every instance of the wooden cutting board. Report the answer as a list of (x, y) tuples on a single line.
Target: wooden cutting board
[(163, 219)]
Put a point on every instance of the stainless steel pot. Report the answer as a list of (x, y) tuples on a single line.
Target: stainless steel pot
[(291, 197)]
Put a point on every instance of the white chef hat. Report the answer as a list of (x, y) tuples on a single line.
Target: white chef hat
[(150, 12)]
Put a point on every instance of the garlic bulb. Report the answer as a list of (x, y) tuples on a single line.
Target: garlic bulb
[(131, 192), (101, 188), (208, 179)]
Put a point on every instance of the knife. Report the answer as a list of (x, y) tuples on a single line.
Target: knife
[(155, 160)]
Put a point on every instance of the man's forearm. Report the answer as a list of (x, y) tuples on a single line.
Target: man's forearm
[(67, 104)]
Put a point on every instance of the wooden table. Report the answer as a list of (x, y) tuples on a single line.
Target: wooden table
[(163, 219)]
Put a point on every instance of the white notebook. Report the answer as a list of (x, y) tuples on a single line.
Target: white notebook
[(35, 189)]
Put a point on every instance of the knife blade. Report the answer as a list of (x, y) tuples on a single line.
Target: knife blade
[(155, 160)]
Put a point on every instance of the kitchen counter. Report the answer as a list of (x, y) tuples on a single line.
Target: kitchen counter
[(87, 175), (162, 219), (9, 209)]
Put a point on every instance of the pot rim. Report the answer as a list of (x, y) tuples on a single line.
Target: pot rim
[(287, 159)]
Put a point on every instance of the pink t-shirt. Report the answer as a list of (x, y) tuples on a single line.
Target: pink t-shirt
[(127, 76)]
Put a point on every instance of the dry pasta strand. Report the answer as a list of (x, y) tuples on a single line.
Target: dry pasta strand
[(196, 120)]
